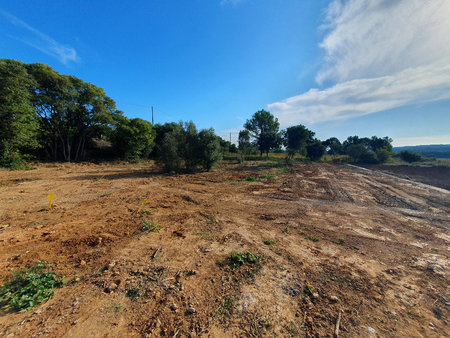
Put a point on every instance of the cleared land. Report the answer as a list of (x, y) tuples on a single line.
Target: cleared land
[(338, 239)]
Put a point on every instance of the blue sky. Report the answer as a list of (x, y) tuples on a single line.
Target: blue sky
[(355, 67)]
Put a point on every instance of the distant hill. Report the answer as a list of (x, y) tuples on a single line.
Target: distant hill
[(437, 150)]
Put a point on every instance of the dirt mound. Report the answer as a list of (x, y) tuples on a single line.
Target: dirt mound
[(330, 239)]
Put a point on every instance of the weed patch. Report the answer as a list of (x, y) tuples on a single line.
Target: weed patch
[(237, 259), (133, 293), (212, 219), (269, 241), (149, 226), (29, 287), (114, 308), (202, 234), (225, 310), (340, 241), (312, 238)]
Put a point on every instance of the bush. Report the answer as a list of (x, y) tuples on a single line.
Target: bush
[(133, 138), (315, 150), (185, 148), (368, 157), (356, 151), (210, 151), (383, 155), (169, 154), (410, 156), (13, 160)]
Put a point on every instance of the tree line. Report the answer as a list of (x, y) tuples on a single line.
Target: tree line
[(262, 134), (46, 115)]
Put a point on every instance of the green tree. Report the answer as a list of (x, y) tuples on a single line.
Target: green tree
[(244, 144), (161, 131), (184, 148), (315, 150), (18, 123), (264, 129), (190, 146), (296, 138), (377, 143), (333, 146), (210, 149), (410, 156), (70, 111), (383, 155), (169, 154), (356, 151), (133, 138)]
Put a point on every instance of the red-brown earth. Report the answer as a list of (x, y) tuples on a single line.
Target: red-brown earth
[(343, 240)]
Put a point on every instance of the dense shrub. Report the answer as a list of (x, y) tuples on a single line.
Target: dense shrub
[(368, 157), (184, 148), (410, 156), (210, 150), (315, 150), (133, 138), (383, 155)]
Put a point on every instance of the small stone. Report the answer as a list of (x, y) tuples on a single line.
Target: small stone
[(333, 299), (371, 330), (83, 262), (174, 307), (315, 295), (190, 311), (111, 265), (111, 287)]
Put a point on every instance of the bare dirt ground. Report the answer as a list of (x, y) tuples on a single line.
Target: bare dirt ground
[(371, 247), (437, 176)]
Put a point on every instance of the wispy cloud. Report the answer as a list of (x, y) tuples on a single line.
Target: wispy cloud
[(379, 54), (40, 41), (365, 96)]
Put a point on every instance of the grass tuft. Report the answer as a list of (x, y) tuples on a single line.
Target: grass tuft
[(149, 226)]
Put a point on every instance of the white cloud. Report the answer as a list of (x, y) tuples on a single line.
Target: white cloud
[(380, 54), (365, 96), (40, 41), (414, 141)]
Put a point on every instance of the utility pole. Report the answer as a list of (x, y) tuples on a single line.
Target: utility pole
[(230, 136), (152, 118)]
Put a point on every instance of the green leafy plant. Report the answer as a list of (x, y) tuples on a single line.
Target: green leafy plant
[(237, 259), (225, 309), (133, 293), (286, 230), (149, 226), (29, 287), (269, 241), (340, 241), (311, 238), (212, 219), (202, 234)]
